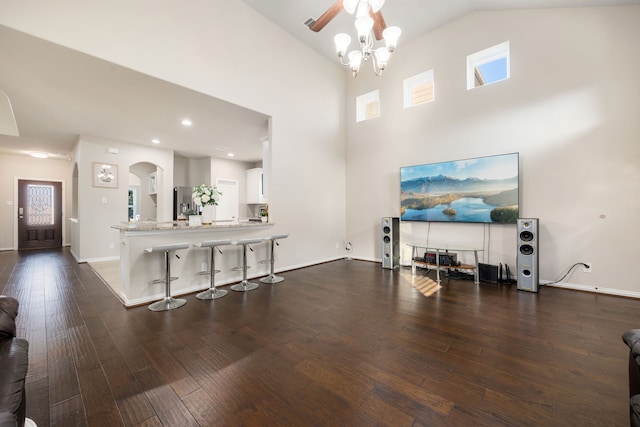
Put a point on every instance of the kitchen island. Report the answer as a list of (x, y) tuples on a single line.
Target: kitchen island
[(138, 268)]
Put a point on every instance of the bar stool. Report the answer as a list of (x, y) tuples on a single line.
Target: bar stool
[(245, 285), (167, 303), (272, 278), (212, 292)]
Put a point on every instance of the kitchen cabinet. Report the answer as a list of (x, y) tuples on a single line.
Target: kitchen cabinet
[(255, 186)]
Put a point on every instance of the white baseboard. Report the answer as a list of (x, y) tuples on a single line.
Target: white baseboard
[(110, 258), (588, 288)]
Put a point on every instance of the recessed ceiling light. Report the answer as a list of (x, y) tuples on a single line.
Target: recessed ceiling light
[(230, 154), (39, 154), (186, 122), (221, 148), (155, 141)]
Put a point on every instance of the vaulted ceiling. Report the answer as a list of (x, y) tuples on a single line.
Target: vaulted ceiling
[(58, 93)]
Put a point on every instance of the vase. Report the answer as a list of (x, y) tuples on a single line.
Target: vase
[(195, 220), (208, 214)]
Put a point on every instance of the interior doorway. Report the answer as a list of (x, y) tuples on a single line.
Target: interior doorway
[(39, 214), (227, 208), (142, 196)]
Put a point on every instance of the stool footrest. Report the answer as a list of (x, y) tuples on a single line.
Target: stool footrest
[(153, 282), (240, 268), (207, 273)]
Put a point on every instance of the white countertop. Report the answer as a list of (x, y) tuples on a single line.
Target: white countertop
[(184, 225)]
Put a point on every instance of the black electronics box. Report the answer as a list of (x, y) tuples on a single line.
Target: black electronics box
[(488, 273), (447, 259)]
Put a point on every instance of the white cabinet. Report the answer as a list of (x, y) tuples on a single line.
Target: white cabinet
[(255, 186)]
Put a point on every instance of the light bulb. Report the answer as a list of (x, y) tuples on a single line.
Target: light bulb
[(391, 35), (376, 5), (364, 25), (350, 6), (355, 59), (382, 56), (342, 41), (362, 9)]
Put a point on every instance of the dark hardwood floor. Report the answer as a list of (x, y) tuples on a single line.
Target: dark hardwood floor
[(338, 344)]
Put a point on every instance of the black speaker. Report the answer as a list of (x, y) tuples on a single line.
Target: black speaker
[(528, 248), (390, 242)]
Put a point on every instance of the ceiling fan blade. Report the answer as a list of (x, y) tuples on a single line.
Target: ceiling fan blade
[(378, 24), (327, 16)]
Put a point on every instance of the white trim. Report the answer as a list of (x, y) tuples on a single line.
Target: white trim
[(594, 289), (109, 258)]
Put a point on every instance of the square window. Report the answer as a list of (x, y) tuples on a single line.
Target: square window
[(488, 66), (368, 106), (418, 89)]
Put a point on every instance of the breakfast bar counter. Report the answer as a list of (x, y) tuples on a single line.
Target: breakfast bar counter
[(138, 268)]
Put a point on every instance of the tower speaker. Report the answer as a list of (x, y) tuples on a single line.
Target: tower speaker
[(390, 242), (528, 247)]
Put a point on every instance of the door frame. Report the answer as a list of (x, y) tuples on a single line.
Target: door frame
[(15, 206)]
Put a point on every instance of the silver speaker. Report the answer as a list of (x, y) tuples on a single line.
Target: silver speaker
[(390, 242), (528, 248)]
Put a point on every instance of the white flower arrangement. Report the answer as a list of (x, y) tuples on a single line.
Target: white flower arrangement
[(204, 195)]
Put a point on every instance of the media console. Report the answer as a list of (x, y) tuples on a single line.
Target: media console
[(441, 249)]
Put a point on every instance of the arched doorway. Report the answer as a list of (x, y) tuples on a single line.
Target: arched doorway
[(142, 202)]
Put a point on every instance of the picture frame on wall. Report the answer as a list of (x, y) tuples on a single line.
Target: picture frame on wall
[(105, 175)]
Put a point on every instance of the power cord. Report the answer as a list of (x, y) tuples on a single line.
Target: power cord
[(567, 273)]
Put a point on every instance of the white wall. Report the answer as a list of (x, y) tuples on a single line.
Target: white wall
[(14, 167), (181, 44), (570, 109), (100, 208)]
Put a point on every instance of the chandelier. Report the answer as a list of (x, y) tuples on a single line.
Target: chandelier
[(368, 20)]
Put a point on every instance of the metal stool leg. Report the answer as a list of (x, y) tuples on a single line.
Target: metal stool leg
[(212, 292), (168, 303), (272, 278), (245, 285)]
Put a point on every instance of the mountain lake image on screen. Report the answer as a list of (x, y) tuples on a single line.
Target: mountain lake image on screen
[(482, 189)]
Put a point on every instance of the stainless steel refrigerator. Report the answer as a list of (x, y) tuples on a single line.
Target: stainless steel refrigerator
[(182, 200)]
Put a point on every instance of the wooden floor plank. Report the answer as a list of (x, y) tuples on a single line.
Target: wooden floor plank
[(340, 343)]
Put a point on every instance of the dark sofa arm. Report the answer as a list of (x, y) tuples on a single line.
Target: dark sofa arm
[(632, 339), (14, 354), (8, 313), (8, 420)]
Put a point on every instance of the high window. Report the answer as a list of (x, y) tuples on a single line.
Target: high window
[(418, 89), (368, 106), (488, 66)]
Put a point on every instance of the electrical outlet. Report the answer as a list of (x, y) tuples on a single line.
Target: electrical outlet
[(586, 267)]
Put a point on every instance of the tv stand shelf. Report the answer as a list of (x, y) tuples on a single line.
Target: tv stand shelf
[(420, 263), (438, 248)]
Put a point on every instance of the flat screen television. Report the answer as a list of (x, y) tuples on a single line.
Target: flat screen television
[(482, 189)]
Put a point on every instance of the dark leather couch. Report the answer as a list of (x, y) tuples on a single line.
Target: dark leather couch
[(14, 361), (632, 339)]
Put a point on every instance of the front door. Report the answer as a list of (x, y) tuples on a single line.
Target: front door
[(39, 214)]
